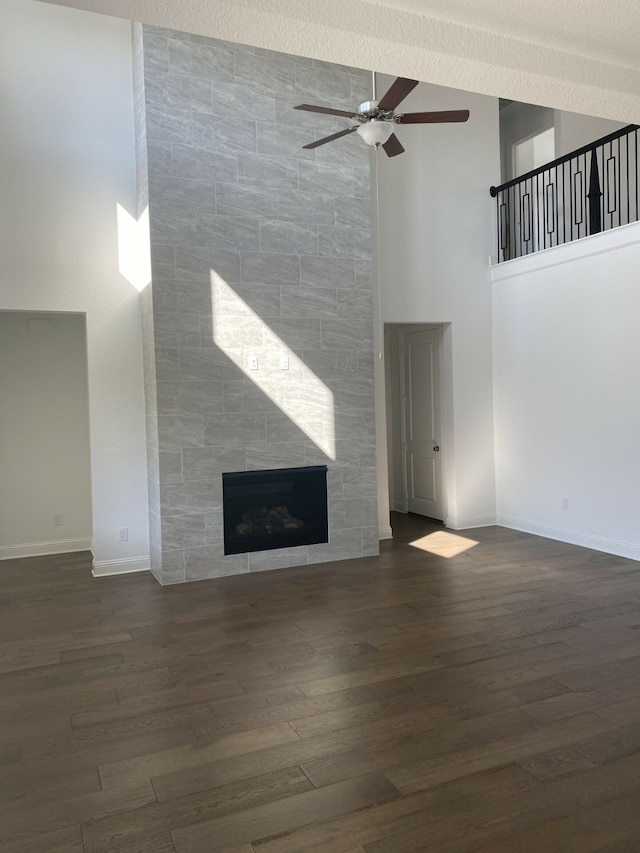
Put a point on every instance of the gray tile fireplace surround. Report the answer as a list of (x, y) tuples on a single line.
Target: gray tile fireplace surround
[(257, 326)]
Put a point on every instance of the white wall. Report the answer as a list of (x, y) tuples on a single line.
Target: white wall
[(567, 408), (44, 434), (66, 160), (572, 130), (437, 224)]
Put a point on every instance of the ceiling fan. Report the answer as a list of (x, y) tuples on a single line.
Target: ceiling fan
[(376, 119)]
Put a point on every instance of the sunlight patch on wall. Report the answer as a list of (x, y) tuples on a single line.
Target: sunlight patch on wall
[(265, 359), (134, 247), (444, 544)]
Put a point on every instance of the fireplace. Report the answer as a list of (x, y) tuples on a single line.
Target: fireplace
[(281, 508)]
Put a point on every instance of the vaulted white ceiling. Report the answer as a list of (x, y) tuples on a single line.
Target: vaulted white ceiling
[(580, 55)]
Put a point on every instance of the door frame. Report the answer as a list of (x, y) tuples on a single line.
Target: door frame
[(446, 409)]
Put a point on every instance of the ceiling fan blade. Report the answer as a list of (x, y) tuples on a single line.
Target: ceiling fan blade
[(433, 118), (333, 136), (396, 93), (393, 146), (326, 110)]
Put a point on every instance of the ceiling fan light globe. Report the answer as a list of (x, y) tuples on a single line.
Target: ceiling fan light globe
[(375, 132)]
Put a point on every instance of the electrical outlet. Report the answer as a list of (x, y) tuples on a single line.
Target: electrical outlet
[(565, 503), (57, 519), (284, 362), (123, 534)]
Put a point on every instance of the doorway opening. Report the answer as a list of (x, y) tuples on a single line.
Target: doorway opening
[(45, 490)]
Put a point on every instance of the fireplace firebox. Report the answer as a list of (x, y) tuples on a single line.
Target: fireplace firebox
[(281, 508)]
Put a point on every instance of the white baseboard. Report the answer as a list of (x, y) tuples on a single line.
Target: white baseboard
[(43, 549), (126, 566), (385, 533), (572, 537), (454, 523)]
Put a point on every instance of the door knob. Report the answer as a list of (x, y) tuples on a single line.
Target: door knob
[(437, 448)]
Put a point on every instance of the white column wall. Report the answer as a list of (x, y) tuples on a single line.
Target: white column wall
[(437, 225), (66, 161), (566, 356)]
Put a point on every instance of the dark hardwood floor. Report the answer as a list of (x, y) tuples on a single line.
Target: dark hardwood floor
[(481, 700)]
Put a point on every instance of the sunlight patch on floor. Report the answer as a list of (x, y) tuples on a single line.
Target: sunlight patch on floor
[(444, 544)]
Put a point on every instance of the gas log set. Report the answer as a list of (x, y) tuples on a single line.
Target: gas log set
[(257, 521)]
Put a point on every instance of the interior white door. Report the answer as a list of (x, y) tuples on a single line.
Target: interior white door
[(422, 423)]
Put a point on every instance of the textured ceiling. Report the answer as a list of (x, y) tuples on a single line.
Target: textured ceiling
[(578, 55), (607, 30)]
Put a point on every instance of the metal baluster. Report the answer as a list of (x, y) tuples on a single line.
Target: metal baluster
[(635, 134), (594, 196), (516, 222), (564, 203), (619, 198), (498, 227), (538, 212), (544, 204), (628, 182), (557, 222), (611, 210), (585, 196), (604, 218), (521, 224)]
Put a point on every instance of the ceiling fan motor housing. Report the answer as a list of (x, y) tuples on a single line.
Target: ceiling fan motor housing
[(370, 110)]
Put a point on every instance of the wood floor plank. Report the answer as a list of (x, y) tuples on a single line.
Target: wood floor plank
[(567, 704), (284, 815), (68, 840), (621, 713), (373, 757), (583, 832), (584, 754), (299, 709), (176, 758), (36, 783), (183, 811), (169, 699), (21, 821), (426, 774), (410, 812)]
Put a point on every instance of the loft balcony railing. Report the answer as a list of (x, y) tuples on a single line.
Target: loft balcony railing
[(593, 189)]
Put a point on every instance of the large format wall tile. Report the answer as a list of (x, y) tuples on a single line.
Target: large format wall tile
[(260, 248)]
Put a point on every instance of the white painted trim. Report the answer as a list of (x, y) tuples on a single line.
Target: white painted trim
[(473, 521), (572, 537), (126, 566), (585, 247), (385, 533), (43, 549)]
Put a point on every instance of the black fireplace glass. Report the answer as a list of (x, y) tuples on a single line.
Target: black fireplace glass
[(280, 508)]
